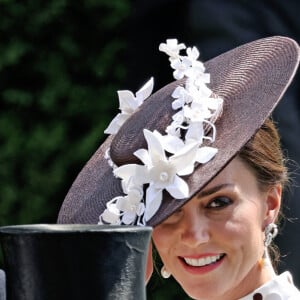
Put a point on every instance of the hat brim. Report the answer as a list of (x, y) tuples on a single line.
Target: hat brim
[(251, 79)]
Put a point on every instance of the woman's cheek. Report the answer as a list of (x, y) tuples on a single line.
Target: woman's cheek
[(163, 238)]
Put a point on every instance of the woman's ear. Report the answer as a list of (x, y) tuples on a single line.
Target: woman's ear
[(273, 203)]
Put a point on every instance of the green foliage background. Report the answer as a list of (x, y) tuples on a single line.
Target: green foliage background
[(60, 65), (61, 62)]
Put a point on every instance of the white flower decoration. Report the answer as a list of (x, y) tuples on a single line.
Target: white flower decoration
[(196, 112), (111, 215), (181, 66), (163, 172), (131, 206), (182, 97), (171, 48), (128, 103), (168, 156), (205, 154), (124, 209), (193, 55)]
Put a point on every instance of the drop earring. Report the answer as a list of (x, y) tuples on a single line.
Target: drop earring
[(164, 273), (271, 231)]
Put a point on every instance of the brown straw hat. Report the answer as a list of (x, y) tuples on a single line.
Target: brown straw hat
[(251, 79)]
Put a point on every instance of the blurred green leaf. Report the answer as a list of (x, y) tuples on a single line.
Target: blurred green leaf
[(61, 62)]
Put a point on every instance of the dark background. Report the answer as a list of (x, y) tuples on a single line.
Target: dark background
[(61, 63)]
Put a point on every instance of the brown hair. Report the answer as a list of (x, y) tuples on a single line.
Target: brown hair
[(265, 157)]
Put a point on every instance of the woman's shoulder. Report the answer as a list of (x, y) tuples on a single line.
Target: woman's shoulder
[(286, 288), (280, 287)]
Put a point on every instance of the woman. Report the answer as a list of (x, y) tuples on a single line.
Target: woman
[(222, 229), (199, 161)]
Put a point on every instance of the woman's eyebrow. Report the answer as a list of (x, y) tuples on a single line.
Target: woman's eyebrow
[(214, 189)]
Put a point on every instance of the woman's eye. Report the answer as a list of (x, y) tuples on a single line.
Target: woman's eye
[(219, 202)]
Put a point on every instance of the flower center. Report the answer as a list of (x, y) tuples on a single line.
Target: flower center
[(133, 207), (164, 176)]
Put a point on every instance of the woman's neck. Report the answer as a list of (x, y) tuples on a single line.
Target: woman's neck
[(260, 274)]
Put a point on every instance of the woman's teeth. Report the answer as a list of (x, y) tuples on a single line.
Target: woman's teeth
[(200, 262)]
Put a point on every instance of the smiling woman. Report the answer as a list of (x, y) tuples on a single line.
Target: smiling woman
[(201, 162), (220, 231)]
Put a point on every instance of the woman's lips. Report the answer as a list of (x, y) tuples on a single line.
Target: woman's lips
[(202, 264)]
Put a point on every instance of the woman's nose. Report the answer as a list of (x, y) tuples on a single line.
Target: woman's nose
[(196, 231)]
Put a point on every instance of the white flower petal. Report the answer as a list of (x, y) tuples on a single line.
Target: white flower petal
[(122, 204), (179, 189), (145, 91), (155, 147), (116, 123), (205, 154), (178, 74), (193, 53), (186, 62), (182, 95), (135, 196), (132, 187), (143, 156), (215, 103), (197, 112), (129, 218), (171, 48), (177, 93), (110, 217), (113, 126), (172, 143), (127, 101), (176, 63), (140, 209), (178, 103), (201, 84), (195, 132), (178, 118), (185, 158), (173, 130), (153, 201), (173, 44), (189, 169), (137, 173)]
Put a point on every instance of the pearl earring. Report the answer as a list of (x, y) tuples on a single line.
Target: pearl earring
[(164, 273)]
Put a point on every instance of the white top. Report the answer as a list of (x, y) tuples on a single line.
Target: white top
[(280, 287)]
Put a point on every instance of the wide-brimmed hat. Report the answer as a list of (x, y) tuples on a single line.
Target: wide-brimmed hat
[(247, 82)]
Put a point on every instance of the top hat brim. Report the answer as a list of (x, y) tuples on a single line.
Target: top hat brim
[(251, 79)]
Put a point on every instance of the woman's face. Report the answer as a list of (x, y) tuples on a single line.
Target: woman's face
[(212, 246)]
